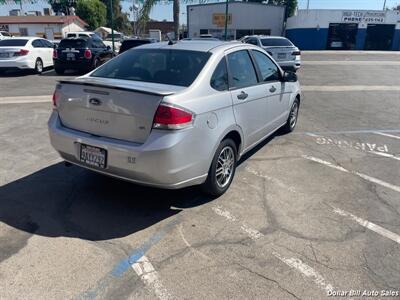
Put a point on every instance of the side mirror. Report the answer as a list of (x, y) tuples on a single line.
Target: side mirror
[(108, 48), (289, 77)]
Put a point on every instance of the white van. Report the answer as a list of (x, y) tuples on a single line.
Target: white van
[(76, 34)]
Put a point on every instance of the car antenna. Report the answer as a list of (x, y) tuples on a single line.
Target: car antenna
[(170, 41)]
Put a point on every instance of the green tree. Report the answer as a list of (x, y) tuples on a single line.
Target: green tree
[(94, 12), (121, 20), (61, 6), (145, 12)]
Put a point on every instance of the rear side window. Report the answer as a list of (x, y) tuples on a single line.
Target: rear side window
[(252, 41), (13, 42), (269, 71), (166, 66), (37, 44), (275, 42), (241, 69), (73, 43), (219, 79)]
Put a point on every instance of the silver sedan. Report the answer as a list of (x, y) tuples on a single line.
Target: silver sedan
[(287, 55), (174, 115)]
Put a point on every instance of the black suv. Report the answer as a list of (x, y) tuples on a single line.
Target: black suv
[(132, 43), (83, 54)]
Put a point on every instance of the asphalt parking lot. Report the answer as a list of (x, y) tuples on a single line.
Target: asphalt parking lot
[(309, 214)]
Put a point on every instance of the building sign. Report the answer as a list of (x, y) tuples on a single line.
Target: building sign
[(219, 19), (364, 17), (4, 28)]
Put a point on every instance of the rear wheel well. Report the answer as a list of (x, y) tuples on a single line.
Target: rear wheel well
[(298, 97), (234, 136)]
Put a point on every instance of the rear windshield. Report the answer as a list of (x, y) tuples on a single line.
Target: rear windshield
[(73, 43), (13, 42), (276, 42), (165, 66)]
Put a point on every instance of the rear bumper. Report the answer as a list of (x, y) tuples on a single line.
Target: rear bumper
[(294, 64), (18, 63), (166, 160), (83, 64)]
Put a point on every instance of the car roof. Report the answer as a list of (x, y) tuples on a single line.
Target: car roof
[(194, 45), (269, 37), (78, 32)]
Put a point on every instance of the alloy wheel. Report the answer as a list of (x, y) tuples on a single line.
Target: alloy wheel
[(225, 165)]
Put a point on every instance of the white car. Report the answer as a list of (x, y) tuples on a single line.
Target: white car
[(76, 34), (5, 35), (26, 53)]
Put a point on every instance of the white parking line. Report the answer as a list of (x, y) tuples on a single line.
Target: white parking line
[(25, 99), (363, 176), (348, 88), (294, 263), (385, 155), (306, 271), (388, 135), (145, 270), (376, 228)]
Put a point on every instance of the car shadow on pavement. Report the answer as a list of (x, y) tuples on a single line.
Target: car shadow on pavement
[(73, 202), (52, 73)]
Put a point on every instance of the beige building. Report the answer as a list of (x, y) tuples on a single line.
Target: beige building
[(53, 27)]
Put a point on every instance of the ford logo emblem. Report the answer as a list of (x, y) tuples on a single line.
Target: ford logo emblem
[(95, 101)]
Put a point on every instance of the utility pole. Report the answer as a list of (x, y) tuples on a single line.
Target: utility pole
[(384, 5), (226, 19), (308, 4), (112, 25)]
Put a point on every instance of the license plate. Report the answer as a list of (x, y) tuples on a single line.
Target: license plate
[(71, 56), (281, 55), (3, 55), (93, 156)]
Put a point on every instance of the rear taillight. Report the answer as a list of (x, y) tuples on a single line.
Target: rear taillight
[(56, 96), (88, 54), (296, 53), (21, 52), (55, 54), (172, 117)]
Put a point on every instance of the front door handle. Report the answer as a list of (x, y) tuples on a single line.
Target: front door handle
[(242, 96), (272, 89)]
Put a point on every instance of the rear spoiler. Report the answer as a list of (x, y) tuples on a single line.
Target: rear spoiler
[(115, 87)]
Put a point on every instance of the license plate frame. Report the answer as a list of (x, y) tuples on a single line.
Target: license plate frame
[(93, 156), (281, 55), (71, 56)]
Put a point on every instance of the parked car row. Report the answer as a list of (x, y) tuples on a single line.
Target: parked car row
[(81, 51)]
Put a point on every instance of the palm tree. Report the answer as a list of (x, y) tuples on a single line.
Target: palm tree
[(145, 12), (176, 18)]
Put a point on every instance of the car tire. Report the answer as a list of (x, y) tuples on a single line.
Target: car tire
[(38, 66), (59, 71), (223, 165), (96, 63), (292, 118)]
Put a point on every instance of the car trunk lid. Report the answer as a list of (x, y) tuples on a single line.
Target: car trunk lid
[(111, 108), (8, 52), (281, 53)]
